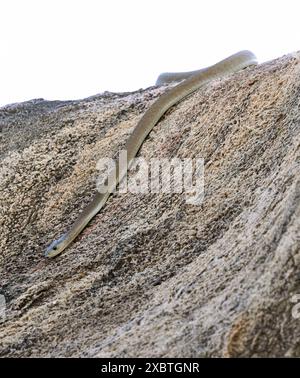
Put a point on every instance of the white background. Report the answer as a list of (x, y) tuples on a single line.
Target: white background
[(68, 49)]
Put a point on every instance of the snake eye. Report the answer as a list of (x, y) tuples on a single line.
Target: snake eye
[(55, 248)]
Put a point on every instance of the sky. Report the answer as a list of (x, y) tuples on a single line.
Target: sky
[(71, 49)]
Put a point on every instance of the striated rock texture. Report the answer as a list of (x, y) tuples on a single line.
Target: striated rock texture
[(153, 276)]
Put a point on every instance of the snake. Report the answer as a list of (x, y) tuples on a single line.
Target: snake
[(189, 82)]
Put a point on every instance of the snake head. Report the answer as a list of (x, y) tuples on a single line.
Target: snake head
[(56, 247)]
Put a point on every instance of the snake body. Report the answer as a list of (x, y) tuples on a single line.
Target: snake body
[(192, 81)]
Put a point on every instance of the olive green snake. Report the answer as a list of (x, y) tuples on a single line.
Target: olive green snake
[(189, 82)]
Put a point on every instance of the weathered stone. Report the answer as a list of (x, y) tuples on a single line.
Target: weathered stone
[(151, 275)]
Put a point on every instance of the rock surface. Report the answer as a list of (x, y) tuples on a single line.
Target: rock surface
[(153, 276)]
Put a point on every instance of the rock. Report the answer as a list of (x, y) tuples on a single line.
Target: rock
[(154, 276)]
